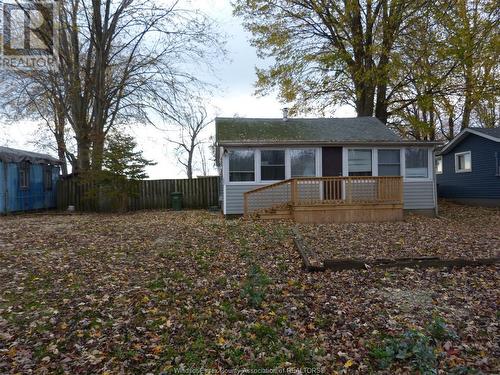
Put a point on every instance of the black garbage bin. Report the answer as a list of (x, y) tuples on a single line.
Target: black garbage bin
[(176, 198)]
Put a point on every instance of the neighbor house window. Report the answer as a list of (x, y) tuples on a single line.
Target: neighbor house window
[(439, 164), (241, 165), (389, 163), (416, 163), (272, 165), (24, 176), (303, 163), (463, 162), (360, 162), (47, 177)]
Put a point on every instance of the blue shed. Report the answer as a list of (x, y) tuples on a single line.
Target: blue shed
[(27, 180), (468, 167)]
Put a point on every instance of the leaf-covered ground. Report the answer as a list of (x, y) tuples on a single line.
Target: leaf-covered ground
[(159, 291), (459, 231)]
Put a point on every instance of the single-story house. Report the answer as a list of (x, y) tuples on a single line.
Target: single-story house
[(468, 167), (27, 180), (322, 169)]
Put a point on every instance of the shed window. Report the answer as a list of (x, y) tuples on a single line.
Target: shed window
[(439, 164), (241, 165), (47, 177), (417, 163), (303, 163), (389, 163), (463, 162), (360, 162), (24, 176), (272, 165)]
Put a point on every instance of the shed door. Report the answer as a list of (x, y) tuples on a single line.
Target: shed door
[(332, 167)]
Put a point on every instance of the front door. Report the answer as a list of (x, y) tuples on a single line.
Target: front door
[(332, 167)]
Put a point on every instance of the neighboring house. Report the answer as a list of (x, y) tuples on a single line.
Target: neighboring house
[(27, 180), (468, 167), (323, 169)]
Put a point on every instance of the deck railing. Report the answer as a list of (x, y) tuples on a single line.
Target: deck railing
[(303, 191)]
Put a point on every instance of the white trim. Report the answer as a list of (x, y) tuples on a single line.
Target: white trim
[(224, 210), (462, 134), (457, 155), (440, 157)]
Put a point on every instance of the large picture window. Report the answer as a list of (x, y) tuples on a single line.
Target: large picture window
[(463, 162), (389, 163), (417, 163), (303, 163), (360, 162), (272, 164), (241, 165)]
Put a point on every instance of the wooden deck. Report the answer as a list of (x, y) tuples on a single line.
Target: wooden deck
[(328, 200)]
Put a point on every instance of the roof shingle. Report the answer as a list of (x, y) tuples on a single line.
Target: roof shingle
[(357, 129)]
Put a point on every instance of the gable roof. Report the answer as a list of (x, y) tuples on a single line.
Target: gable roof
[(492, 134), (12, 155), (312, 130)]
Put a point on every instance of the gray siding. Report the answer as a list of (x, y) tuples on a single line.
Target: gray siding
[(418, 195), (234, 197)]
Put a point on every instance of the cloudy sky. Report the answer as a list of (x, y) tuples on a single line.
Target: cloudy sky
[(235, 77)]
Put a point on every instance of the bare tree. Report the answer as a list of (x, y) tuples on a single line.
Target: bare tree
[(191, 122), (119, 62)]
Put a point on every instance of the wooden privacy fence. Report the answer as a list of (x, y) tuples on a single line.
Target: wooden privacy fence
[(201, 193)]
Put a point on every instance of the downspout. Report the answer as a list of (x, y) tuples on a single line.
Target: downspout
[(436, 210)]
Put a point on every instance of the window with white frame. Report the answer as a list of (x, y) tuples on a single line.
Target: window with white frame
[(24, 176), (303, 163), (241, 165), (463, 162), (389, 163), (416, 163), (439, 164), (359, 162), (272, 165)]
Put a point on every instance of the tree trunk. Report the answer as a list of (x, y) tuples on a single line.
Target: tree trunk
[(189, 166)]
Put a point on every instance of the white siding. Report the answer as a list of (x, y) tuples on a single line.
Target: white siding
[(419, 195), (233, 194)]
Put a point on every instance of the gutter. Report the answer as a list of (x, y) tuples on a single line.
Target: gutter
[(327, 143)]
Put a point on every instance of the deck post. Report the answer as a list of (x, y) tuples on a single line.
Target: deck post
[(245, 204), (349, 190), (295, 194)]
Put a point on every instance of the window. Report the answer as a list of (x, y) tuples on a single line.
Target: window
[(439, 164), (241, 165), (389, 163), (47, 177), (360, 162), (303, 163), (463, 162), (417, 163), (272, 165), (24, 176)]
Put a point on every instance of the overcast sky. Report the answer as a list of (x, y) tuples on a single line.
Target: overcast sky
[(236, 78)]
